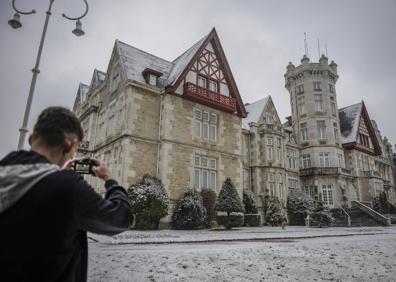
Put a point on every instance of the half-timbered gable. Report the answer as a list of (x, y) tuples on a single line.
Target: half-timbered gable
[(202, 74), (357, 130)]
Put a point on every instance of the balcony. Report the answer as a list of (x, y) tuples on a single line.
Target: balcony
[(324, 171), (371, 174), (209, 98)]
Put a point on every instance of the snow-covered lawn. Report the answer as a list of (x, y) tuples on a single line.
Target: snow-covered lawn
[(358, 257)]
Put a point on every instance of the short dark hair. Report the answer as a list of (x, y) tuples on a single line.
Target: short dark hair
[(54, 124)]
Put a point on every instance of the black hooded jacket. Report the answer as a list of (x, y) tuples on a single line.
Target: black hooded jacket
[(44, 215)]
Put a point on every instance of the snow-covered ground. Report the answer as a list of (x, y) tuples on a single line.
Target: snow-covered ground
[(255, 254)]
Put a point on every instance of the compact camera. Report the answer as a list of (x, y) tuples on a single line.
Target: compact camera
[(84, 166)]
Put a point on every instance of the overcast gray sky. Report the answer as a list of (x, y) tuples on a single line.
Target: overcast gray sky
[(258, 37)]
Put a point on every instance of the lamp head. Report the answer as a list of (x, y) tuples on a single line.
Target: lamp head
[(15, 21), (78, 30)]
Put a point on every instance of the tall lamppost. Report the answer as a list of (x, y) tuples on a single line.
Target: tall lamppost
[(15, 23)]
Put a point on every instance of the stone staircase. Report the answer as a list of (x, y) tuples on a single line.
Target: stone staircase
[(360, 215)]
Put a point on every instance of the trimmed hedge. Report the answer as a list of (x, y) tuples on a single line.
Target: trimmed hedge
[(209, 201), (252, 220), (189, 212), (231, 220)]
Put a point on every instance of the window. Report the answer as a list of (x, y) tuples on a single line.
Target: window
[(202, 81), (213, 127), (333, 106), (270, 153), (205, 172), (270, 141), (269, 119), (279, 149), (301, 105), (271, 184), (304, 132), (213, 86), (324, 160), (340, 160), (336, 132), (306, 161), (366, 164), (321, 124), (316, 86), (310, 190), (293, 184), (318, 103), (364, 140), (152, 79), (331, 88), (300, 89), (291, 158), (327, 192), (206, 125)]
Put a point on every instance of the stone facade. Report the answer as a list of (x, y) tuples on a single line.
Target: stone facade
[(140, 121), (184, 122)]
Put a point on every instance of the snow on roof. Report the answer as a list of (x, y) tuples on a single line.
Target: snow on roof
[(180, 63), (135, 61), (254, 111), (100, 75), (349, 122), (83, 90)]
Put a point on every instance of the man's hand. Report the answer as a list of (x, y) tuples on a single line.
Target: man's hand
[(101, 170), (69, 165)]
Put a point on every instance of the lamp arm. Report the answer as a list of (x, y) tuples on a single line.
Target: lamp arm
[(80, 17), (20, 12)]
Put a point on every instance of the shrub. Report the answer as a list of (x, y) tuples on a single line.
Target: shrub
[(251, 217), (249, 202), (321, 216), (209, 201), (299, 205), (233, 219), (275, 215), (190, 212), (252, 220), (229, 202), (149, 202)]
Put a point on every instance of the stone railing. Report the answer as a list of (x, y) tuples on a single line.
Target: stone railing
[(319, 171), (372, 213), (371, 173), (344, 211)]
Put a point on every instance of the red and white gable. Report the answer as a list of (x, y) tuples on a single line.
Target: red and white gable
[(207, 78), (207, 73)]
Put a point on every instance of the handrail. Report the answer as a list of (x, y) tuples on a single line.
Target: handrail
[(348, 216), (372, 213)]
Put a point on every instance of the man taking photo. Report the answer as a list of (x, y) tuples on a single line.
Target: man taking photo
[(46, 208)]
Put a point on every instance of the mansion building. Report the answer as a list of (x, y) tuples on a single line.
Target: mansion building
[(184, 122)]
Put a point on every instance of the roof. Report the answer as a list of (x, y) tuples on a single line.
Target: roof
[(254, 111), (180, 63), (134, 61), (349, 122)]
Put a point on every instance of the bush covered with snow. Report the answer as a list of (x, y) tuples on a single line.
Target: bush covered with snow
[(380, 203), (149, 202), (321, 216), (274, 214), (299, 205), (209, 201), (234, 219), (229, 202), (249, 201), (190, 212), (251, 217)]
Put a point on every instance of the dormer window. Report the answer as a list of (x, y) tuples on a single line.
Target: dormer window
[(151, 76), (202, 81)]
